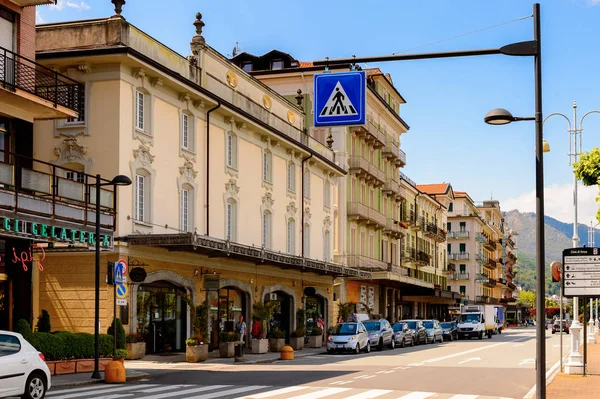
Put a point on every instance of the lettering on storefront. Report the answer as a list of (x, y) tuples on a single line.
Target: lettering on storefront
[(47, 232), (27, 256)]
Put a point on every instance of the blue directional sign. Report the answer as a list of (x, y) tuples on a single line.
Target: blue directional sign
[(340, 98), (121, 290), (118, 275)]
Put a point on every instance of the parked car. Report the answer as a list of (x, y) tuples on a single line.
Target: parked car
[(556, 326), (23, 371), (403, 335), (434, 331), (450, 330), (380, 333), (351, 336), (418, 331)]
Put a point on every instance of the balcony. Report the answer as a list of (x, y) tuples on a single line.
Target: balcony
[(391, 148), (482, 299), (31, 91), (450, 268), (459, 276), (490, 283), (366, 170), (392, 187), (493, 300), (27, 3), (393, 228), (371, 133), (490, 264), (510, 242), (423, 257), (407, 217), (401, 161), (458, 255), (512, 286), (506, 299), (458, 234), (502, 281), (410, 254), (509, 273), (433, 231), (511, 258), (30, 188), (418, 223), (366, 214), (362, 262)]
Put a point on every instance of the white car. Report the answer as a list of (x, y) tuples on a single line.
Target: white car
[(23, 371)]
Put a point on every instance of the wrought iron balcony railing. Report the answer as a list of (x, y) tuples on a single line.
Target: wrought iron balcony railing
[(482, 299), (458, 255), (458, 234), (20, 73), (362, 262), (459, 276)]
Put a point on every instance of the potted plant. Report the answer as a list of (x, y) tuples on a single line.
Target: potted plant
[(276, 340), (261, 313), (315, 339), (297, 339), (227, 344), (196, 349), (135, 348)]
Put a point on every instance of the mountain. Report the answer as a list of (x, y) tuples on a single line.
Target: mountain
[(558, 237)]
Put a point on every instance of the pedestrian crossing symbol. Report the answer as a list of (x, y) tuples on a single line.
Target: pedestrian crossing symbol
[(340, 98)]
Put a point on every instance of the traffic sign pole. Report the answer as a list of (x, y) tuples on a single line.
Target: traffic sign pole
[(115, 316)]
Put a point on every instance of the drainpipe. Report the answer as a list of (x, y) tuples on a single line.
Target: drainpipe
[(302, 201), (208, 165), (436, 243)]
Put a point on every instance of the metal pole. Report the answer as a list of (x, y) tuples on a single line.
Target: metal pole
[(561, 323), (540, 389), (96, 373), (115, 314), (584, 341)]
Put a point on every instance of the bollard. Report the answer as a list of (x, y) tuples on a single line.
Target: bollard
[(287, 353), (114, 372)]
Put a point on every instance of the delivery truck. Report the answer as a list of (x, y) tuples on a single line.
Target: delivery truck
[(499, 319), (477, 321)]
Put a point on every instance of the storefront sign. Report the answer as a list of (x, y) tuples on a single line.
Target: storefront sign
[(27, 256), (211, 282), (137, 274), (48, 232)]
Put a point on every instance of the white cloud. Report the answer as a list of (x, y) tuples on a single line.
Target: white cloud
[(78, 5), (558, 202)]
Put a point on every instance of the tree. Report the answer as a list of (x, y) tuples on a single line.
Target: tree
[(587, 169), (527, 297)]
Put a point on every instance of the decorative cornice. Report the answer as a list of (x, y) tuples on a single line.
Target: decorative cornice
[(139, 73)]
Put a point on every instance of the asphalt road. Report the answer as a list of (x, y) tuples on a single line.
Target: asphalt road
[(499, 367)]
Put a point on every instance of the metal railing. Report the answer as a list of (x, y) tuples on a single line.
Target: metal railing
[(458, 255), (362, 262), (459, 276), (458, 234), (408, 180), (490, 263), (18, 72), (481, 298)]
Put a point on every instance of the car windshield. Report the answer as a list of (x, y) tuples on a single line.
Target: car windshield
[(412, 325), (469, 318), (446, 325), (344, 329), (398, 327), (372, 325), (428, 324)]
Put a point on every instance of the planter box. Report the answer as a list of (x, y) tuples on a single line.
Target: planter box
[(84, 366), (276, 344), (297, 343), (103, 362), (66, 367), (196, 353), (226, 349), (136, 350), (315, 341), (51, 365), (259, 346)]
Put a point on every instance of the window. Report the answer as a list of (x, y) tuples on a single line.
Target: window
[(306, 238), (462, 248), (363, 239), (266, 166), (449, 247), (449, 226), (266, 230), (451, 207), (291, 236), (140, 197), (291, 177), (79, 177), (247, 66), (372, 246), (327, 246), (307, 184), (463, 290), (231, 220), (327, 194), (185, 133), (9, 345), (140, 100), (353, 241), (231, 150), (462, 268), (184, 210), (277, 64), (463, 226), (80, 112)]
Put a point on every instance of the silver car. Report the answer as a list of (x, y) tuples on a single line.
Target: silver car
[(351, 336), (434, 331), (403, 335), (380, 333)]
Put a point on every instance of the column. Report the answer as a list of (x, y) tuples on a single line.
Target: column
[(591, 337)]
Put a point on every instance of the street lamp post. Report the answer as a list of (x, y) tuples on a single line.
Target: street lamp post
[(119, 180)]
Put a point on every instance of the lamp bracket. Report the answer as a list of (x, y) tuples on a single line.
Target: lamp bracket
[(528, 48)]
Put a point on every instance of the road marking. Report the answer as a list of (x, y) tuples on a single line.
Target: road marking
[(401, 368), (340, 382), (417, 395), (437, 359), (385, 372), (527, 361), (165, 388), (321, 394), (515, 345), (276, 392), (369, 376), (373, 393), (224, 393), (460, 396), (361, 377), (469, 360), (75, 393), (186, 391), (415, 364)]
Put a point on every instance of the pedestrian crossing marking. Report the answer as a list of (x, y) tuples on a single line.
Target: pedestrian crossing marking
[(275, 392), (229, 392), (417, 395), (460, 396), (321, 394), (338, 103), (373, 393), (188, 391), (76, 393)]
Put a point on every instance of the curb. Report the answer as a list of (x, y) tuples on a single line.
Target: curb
[(266, 361), (138, 376)]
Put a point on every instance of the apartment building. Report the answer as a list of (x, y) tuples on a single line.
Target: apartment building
[(32, 211), (231, 202)]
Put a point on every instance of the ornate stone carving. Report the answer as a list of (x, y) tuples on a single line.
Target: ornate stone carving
[(327, 221), (307, 214), (139, 73), (156, 82), (142, 154), (187, 171), (232, 188), (70, 151), (199, 104), (291, 208), (118, 6), (268, 200), (198, 41), (84, 67), (184, 97)]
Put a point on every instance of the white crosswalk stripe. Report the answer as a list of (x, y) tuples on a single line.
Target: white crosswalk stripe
[(193, 391)]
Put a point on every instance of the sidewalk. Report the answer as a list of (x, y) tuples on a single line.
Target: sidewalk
[(578, 386), (69, 380)]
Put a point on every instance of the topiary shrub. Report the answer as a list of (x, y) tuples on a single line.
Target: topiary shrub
[(22, 327), (65, 345), (121, 344), (43, 324)]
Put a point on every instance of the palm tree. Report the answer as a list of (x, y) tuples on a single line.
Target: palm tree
[(345, 309)]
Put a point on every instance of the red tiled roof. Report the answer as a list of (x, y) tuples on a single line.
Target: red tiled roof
[(305, 64), (433, 188)]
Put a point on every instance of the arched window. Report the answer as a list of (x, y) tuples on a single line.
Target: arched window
[(266, 229), (231, 220), (291, 236)]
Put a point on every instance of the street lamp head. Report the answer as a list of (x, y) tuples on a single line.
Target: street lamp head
[(545, 146), (499, 116), (121, 180)]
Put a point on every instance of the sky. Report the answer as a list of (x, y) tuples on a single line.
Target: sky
[(446, 98)]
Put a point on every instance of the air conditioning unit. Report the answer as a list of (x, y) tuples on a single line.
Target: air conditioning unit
[(272, 296)]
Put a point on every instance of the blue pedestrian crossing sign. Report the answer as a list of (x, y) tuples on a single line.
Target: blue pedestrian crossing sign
[(340, 98)]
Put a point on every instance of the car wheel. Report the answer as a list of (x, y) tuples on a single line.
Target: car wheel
[(402, 344), (552, 331), (393, 343), (441, 338), (35, 388), (480, 334), (368, 348), (357, 350), (380, 344), (412, 342)]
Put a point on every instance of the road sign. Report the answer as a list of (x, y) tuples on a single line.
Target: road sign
[(121, 302), (121, 270), (125, 266), (121, 290), (581, 272), (340, 98)]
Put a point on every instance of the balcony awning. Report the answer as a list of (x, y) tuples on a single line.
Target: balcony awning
[(214, 247)]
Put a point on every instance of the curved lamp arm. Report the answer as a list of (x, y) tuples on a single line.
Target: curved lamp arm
[(563, 115), (583, 117)]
